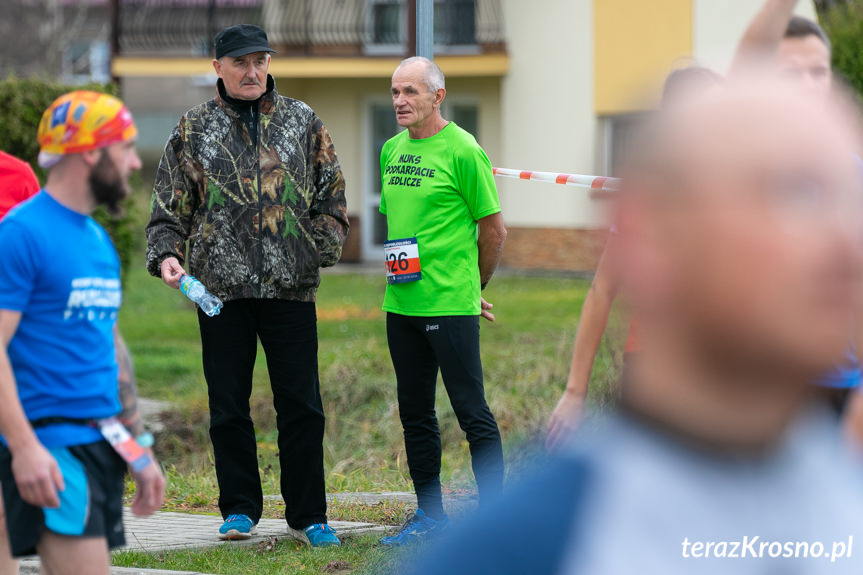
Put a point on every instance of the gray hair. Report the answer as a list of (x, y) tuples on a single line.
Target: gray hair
[(433, 76)]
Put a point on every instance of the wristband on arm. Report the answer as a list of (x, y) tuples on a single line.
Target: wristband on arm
[(145, 440)]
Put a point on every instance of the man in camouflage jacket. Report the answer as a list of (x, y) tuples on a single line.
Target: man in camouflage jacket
[(251, 181)]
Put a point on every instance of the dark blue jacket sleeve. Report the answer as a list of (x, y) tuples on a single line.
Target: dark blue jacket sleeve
[(531, 530)]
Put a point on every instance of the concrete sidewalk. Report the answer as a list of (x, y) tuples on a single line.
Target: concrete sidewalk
[(31, 567), (170, 531)]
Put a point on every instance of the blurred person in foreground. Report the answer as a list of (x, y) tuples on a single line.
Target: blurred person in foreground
[(740, 252), (801, 50), (603, 291), (65, 376)]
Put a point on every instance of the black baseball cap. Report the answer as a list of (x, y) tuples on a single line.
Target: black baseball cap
[(240, 40)]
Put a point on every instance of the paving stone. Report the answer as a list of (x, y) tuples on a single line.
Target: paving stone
[(170, 531), (457, 503), (151, 410), (167, 531), (31, 567)]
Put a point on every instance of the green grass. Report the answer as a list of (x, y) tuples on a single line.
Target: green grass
[(195, 492), (525, 354), (357, 555)]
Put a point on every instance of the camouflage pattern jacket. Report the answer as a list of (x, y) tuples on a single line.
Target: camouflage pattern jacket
[(262, 210)]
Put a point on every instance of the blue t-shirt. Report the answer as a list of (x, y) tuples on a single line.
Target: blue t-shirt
[(843, 376), (847, 374), (61, 271), (631, 496)]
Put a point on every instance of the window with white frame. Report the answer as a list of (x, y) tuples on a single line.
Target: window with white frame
[(87, 61), (382, 126), (465, 114), (617, 138), (386, 24), (454, 26)]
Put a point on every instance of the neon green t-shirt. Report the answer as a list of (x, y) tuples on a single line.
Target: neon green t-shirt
[(435, 189)]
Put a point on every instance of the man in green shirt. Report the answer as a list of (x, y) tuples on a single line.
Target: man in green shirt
[(445, 237)]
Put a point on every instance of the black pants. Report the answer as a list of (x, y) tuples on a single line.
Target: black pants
[(418, 347), (90, 506), (288, 332)]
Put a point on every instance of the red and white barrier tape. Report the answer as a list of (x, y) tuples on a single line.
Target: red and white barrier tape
[(596, 184)]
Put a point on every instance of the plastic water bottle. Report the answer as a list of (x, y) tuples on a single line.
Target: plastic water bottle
[(195, 291)]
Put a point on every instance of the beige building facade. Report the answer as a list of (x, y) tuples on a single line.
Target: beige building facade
[(545, 85)]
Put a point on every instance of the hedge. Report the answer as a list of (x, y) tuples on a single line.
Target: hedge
[(22, 102), (844, 25)]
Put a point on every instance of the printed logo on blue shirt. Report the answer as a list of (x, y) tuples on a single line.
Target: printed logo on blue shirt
[(94, 298)]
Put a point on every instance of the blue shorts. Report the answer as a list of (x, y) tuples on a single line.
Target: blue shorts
[(90, 506)]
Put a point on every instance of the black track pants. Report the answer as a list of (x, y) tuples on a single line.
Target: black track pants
[(419, 346), (288, 332)]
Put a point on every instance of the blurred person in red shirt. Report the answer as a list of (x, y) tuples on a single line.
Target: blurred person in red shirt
[(17, 182)]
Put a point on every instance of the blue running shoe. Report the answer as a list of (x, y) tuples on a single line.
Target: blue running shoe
[(321, 535), (237, 526), (418, 527)]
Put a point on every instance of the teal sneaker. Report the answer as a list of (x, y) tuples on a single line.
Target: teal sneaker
[(418, 527), (237, 526), (321, 535)]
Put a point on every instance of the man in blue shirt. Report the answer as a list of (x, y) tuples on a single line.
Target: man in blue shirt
[(59, 297)]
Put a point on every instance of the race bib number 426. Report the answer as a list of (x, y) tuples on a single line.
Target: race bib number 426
[(403, 261)]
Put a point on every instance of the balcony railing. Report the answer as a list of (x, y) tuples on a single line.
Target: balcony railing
[(305, 27)]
